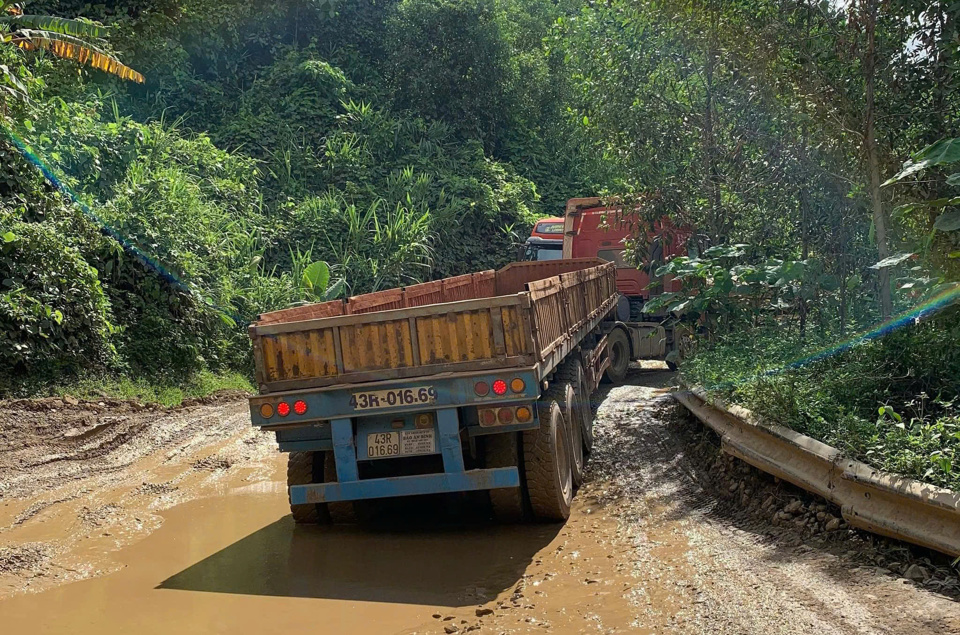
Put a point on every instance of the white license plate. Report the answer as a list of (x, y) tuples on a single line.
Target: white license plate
[(386, 445), (393, 398)]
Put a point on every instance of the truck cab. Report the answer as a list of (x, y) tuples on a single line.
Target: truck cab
[(545, 241), (594, 230)]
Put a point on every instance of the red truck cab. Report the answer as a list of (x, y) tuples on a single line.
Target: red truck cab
[(594, 230)]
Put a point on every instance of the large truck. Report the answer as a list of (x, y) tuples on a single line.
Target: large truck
[(477, 383), (593, 228)]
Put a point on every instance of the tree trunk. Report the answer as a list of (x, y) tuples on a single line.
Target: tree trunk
[(870, 147), (712, 180)]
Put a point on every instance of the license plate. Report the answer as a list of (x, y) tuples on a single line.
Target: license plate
[(386, 445), (393, 398)]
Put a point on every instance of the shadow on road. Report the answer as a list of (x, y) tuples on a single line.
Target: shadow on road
[(424, 561)]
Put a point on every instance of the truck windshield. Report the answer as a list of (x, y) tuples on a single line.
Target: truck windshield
[(541, 252), (550, 227)]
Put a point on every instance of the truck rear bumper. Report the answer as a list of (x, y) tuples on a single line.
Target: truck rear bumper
[(405, 486)]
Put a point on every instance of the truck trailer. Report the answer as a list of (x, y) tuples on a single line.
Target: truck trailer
[(478, 382)]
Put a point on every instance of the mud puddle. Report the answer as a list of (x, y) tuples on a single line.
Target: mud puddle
[(187, 524), (238, 564)]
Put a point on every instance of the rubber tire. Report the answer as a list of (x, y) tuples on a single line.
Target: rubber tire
[(618, 350), (304, 468), (571, 414), (547, 462), (587, 413), (503, 450), (573, 372), (341, 512)]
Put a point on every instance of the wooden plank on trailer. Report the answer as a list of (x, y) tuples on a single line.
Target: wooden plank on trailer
[(414, 342), (390, 315), (496, 324)]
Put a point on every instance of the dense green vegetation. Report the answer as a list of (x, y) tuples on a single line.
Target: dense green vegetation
[(400, 140)]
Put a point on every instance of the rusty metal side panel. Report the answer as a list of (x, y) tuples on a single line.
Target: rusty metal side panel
[(298, 355), (333, 308), (458, 288), (423, 294), (459, 336), (379, 301), (514, 277), (485, 284), (377, 345), (514, 338), (548, 311)]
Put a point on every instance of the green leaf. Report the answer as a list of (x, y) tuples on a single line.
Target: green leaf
[(56, 25), (9, 237), (948, 221), (954, 179), (335, 290), (891, 261), (316, 277), (942, 152), (586, 120)]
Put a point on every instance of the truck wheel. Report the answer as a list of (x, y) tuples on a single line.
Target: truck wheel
[(304, 468), (341, 512), (572, 415), (618, 350), (546, 460), (586, 412), (503, 450)]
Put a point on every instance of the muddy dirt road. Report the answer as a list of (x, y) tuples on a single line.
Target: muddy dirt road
[(115, 519)]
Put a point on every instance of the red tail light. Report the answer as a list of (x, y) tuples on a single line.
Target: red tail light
[(505, 415), (481, 388), (300, 407), (499, 387), (283, 408)]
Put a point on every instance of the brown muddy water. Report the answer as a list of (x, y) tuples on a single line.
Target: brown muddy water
[(177, 522)]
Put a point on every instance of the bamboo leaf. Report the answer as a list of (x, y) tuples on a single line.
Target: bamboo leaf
[(69, 47), (53, 25)]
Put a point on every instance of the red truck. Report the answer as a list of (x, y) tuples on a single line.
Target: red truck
[(592, 229)]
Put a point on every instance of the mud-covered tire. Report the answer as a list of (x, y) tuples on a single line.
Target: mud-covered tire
[(341, 512), (304, 468), (546, 462), (618, 351), (573, 372), (586, 413), (571, 415), (503, 450)]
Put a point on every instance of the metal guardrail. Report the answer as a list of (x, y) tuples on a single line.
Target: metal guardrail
[(870, 499)]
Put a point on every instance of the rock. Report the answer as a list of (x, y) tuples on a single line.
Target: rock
[(832, 525), (821, 516), (733, 487), (768, 502), (482, 612), (451, 628), (72, 401), (793, 507), (916, 573)]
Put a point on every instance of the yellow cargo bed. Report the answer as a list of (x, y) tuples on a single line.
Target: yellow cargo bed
[(526, 314)]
